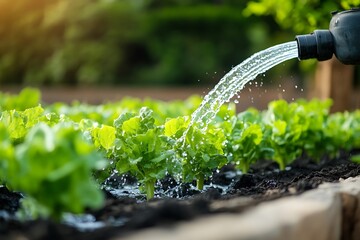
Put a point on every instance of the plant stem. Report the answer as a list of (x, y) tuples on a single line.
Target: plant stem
[(150, 189), (244, 167), (281, 164), (200, 182)]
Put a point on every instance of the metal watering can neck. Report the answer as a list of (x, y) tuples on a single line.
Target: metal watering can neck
[(342, 39)]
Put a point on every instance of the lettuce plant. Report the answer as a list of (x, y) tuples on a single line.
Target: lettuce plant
[(200, 151), (244, 144), (342, 132), (142, 149), (294, 128), (27, 98), (54, 165)]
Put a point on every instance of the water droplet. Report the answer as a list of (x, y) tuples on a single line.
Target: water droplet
[(236, 101)]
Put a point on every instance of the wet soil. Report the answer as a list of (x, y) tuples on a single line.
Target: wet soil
[(226, 192)]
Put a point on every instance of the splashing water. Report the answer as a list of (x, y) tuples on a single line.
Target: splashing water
[(236, 79)]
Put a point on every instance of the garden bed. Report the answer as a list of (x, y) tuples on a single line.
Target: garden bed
[(123, 216), (135, 166)]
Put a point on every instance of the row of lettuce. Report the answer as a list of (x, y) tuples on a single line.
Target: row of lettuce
[(58, 155)]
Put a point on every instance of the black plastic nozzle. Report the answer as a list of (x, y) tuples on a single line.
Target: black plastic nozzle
[(319, 45), (342, 39)]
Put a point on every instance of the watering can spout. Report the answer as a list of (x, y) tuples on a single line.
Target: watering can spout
[(342, 39)]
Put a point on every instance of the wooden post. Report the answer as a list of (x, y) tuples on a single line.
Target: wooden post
[(334, 80)]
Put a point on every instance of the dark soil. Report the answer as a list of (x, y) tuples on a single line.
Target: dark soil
[(124, 214)]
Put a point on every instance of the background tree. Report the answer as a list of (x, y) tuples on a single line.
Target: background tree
[(139, 42)]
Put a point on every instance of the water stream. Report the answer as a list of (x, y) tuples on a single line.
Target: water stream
[(236, 79)]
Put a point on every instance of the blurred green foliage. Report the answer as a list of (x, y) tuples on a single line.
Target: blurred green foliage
[(300, 17), (64, 41), (126, 41)]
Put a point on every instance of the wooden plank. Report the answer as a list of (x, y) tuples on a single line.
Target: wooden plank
[(334, 80)]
